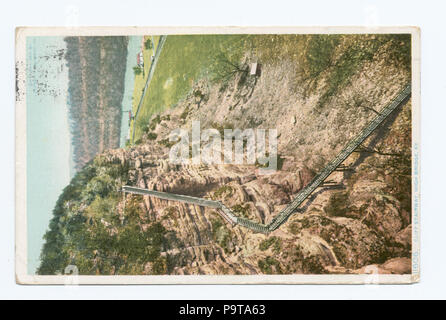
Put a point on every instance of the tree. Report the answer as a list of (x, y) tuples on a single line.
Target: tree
[(226, 67), (148, 44), (137, 70)]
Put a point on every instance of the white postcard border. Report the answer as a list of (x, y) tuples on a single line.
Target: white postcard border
[(22, 277)]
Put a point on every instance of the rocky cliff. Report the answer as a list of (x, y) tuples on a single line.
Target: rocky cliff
[(360, 221)]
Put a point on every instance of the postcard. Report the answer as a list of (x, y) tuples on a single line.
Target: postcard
[(217, 155)]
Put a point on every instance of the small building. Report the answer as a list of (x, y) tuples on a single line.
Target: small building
[(140, 59), (255, 69)]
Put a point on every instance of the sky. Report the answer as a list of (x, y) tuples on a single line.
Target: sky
[(48, 138)]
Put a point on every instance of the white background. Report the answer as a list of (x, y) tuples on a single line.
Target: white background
[(429, 15)]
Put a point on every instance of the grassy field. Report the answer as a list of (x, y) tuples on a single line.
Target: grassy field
[(140, 79), (183, 61)]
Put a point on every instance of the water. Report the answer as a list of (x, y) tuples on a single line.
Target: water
[(133, 48)]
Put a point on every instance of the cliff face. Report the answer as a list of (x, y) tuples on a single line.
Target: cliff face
[(362, 223), (364, 220)]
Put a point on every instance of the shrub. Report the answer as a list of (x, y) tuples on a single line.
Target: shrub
[(269, 265), (152, 136), (148, 44), (275, 242), (137, 70)]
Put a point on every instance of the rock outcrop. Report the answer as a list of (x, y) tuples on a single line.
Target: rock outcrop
[(361, 221)]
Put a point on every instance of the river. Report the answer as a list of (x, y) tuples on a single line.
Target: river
[(133, 48)]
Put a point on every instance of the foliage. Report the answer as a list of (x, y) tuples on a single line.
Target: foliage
[(137, 70), (221, 234), (320, 53), (242, 210), (274, 242), (155, 121), (269, 265), (89, 231), (293, 228), (148, 44), (152, 136), (226, 66), (166, 143), (328, 62), (94, 105), (359, 50), (225, 191)]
